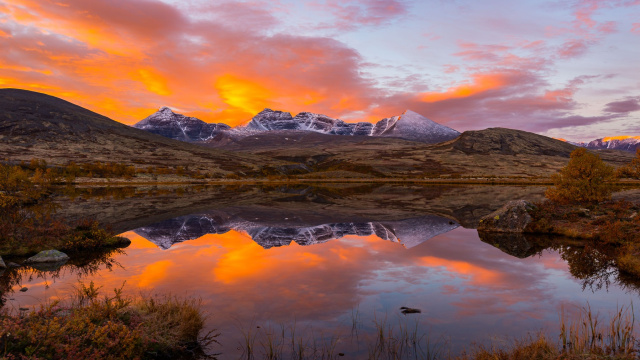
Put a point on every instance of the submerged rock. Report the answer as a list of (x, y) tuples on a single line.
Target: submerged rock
[(48, 256), (2, 264), (511, 218)]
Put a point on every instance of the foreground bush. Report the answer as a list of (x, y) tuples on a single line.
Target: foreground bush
[(117, 327), (585, 180)]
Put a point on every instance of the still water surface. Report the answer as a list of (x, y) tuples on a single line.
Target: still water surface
[(268, 269)]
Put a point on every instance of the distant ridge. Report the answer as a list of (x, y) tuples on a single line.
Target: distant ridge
[(624, 143)]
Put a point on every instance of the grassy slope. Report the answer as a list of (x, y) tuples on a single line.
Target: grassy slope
[(35, 125)]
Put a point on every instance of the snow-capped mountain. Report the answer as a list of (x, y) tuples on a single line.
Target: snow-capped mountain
[(270, 120), (625, 143), (409, 233), (413, 126), (410, 126), (179, 127)]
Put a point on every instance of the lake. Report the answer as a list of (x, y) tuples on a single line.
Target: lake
[(336, 263)]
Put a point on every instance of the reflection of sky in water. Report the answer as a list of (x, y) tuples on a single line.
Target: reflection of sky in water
[(467, 290)]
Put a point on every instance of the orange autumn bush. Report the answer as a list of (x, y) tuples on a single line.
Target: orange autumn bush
[(585, 180)]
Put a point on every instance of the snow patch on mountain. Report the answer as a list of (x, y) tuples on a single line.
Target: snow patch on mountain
[(410, 126), (166, 123), (413, 126)]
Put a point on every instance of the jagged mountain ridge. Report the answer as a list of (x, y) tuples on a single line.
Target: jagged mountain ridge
[(410, 126), (175, 126), (624, 143), (409, 233)]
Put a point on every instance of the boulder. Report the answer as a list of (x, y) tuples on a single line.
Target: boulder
[(2, 264), (48, 256), (511, 218)]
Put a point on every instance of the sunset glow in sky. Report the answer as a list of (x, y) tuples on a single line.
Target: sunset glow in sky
[(563, 68)]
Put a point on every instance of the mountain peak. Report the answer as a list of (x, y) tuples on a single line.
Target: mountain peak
[(413, 126), (179, 127)]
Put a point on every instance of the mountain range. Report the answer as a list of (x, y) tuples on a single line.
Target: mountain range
[(624, 143), (410, 126)]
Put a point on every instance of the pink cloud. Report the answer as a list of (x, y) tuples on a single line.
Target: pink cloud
[(351, 14), (573, 48), (608, 27)]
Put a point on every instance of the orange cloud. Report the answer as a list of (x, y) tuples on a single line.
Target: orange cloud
[(153, 81), (479, 84), (243, 94), (623, 137)]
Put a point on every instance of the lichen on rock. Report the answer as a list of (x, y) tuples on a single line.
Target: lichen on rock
[(511, 218), (48, 256)]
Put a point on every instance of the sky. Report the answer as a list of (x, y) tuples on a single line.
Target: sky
[(563, 68)]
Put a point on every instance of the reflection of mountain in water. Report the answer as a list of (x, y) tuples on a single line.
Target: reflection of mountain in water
[(409, 232)]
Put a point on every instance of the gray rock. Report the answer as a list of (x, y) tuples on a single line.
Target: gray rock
[(48, 256), (24, 289), (2, 264), (511, 218), (13, 265)]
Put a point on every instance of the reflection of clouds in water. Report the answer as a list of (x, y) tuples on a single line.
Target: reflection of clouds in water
[(465, 287), (154, 273)]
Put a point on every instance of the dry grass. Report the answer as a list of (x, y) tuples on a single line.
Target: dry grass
[(90, 326), (585, 336)]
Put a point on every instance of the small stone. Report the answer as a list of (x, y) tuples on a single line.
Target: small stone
[(48, 256), (14, 265), (23, 309), (24, 289), (408, 310)]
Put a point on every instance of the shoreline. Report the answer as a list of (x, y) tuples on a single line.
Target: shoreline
[(506, 182)]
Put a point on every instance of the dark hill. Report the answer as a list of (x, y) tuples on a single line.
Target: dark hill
[(35, 125), (510, 142)]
